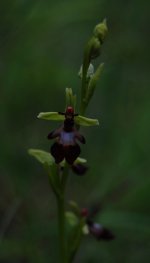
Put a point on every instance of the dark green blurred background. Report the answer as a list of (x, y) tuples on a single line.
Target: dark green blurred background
[(41, 47)]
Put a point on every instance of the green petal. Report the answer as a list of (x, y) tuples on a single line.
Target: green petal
[(52, 116), (83, 121), (42, 156)]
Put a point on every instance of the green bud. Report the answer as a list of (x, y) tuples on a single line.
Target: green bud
[(95, 48), (51, 116), (100, 31), (83, 121)]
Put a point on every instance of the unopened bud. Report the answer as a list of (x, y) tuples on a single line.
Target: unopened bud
[(100, 31), (95, 48)]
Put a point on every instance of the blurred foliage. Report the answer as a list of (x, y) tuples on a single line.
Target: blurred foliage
[(41, 47)]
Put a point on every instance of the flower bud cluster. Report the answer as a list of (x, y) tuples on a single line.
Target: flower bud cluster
[(99, 35), (86, 73)]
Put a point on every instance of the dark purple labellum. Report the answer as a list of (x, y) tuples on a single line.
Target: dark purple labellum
[(70, 152)]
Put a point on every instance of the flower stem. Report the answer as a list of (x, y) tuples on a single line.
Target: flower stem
[(61, 216), (61, 225)]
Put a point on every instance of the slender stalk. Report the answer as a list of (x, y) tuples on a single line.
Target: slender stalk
[(76, 240), (61, 225), (61, 216)]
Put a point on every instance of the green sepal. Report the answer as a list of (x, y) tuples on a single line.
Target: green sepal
[(42, 156), (71, 218), (80, 120), (51, 116), (83, 121)]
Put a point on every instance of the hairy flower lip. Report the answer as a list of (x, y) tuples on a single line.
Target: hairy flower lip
[(69, 153), (65, 146)]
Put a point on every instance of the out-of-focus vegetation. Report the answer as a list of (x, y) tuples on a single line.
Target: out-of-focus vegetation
[(41, 46)]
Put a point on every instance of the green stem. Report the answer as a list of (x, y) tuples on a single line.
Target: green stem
[(61, 225), (76, 241), (61, 216)]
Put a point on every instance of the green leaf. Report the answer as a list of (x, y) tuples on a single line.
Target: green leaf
[(51, 116), (71, 218), (46, 159), (83, 121), (42, 156)]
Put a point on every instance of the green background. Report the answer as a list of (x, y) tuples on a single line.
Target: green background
[(41, 47)]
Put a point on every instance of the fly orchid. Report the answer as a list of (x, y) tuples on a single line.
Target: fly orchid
[(66, 146), (66, 136)]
